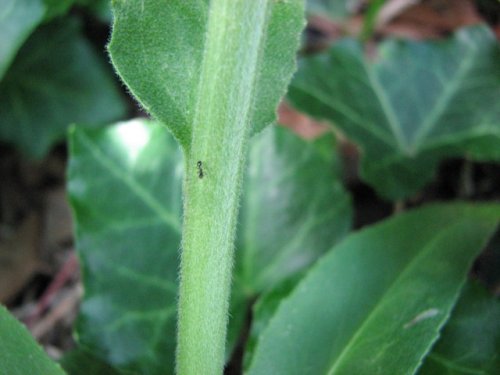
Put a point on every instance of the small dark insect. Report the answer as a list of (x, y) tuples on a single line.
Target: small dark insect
[(200, 169)]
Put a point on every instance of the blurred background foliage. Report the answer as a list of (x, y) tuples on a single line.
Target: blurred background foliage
[(371, 74)]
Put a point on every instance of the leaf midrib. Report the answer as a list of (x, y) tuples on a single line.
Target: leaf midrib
[(378, 305), (436, 145), (352, 116), (207, 86), (445, 98), (143, 194), (386, 106)]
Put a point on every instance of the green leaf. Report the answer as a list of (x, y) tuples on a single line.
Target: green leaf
[(124, 185), (333, 9), (376, 302), (57, 79), (55, 8), (470, 341), (100, 8), (158, 49), (81, 362), (293, 210), (125, 190), (18, 18), (213, 72), (417, 103), (263, 310), (21, 355)]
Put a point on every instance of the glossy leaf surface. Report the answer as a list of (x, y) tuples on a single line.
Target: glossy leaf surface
[(416, 103), (470, 341), (56, 79), (376, 302), (125, 189), (213, 72), (21, 354), (169, 40), (125, 185), (294, 208)]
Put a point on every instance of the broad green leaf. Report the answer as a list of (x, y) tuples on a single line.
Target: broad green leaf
[(125, 190), (18, 18), (416, 103), (158, 48), (470, 341), (81, 362), (294, 208), (125, 183), (263, 310), (56, 79), (376, 302), (21, 355)]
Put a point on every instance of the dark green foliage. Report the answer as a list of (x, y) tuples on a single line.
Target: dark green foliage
[(413, 105), (57, 79)]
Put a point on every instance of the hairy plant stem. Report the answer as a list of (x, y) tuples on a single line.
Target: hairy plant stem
[(214, 162)]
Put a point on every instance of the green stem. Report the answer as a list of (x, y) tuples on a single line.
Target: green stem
[(214, 165), (370, 21)]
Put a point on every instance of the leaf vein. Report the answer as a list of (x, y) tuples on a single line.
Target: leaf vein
[(142, 193)]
